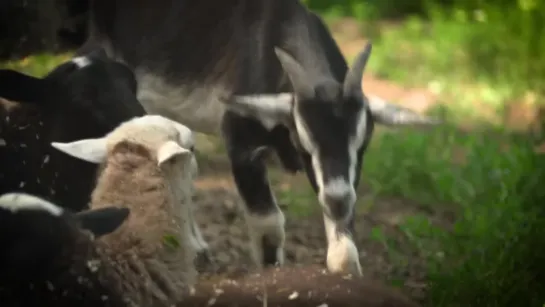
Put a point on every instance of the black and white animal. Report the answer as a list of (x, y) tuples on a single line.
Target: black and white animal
[(263, 74), (85, 97), (148, 167), (48, 257)]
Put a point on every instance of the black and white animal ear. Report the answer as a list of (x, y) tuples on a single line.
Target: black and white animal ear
[(16, 86), (102, 221), (90, 150), (383, 112), (389, 114), (170, 150), (274, 109), (269, 109)]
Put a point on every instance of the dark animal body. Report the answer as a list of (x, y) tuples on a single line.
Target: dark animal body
[(54, 257), (83, 98), (49, 259), (262, 74)]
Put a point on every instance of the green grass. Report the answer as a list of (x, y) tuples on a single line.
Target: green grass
[(431, 55), (37, 65), (479, 64)]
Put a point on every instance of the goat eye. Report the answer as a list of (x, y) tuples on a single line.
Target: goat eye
[(192, 148)]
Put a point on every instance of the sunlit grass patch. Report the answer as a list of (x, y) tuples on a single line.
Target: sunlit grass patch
[(37, 65)]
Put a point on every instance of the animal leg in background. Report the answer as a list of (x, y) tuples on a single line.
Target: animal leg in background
[(264, 219)]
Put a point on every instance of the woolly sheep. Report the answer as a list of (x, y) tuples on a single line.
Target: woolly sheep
[(53, 257), (47, 254), (146, 166)]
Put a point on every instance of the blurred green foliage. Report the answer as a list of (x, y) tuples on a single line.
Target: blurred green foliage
[(484, 50), (502, 39)]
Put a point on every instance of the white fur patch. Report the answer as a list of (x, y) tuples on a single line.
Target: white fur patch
[(196, 106), (81, 61), (356, 141), (272, 226), (269, 109), (21, 201), (197, 239), (342, 254), (338, 188)]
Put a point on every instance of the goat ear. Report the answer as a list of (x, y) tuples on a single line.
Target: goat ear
[(269, 109), (90, 150), (393, 115), (102, 221), (170, 150)]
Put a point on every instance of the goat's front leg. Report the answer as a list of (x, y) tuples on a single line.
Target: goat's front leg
[(342, 253), (264, 219), (203, 257), (336, 198)]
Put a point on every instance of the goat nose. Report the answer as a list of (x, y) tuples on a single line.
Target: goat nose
[(339, 204)]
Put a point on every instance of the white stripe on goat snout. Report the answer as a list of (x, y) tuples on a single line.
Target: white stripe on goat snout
[(338, 188), (81, 61), (355, 143), (21, 201)]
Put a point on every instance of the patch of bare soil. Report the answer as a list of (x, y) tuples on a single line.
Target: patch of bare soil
[(222, 222)]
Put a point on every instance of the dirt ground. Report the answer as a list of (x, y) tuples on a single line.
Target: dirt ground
[(221, 220)]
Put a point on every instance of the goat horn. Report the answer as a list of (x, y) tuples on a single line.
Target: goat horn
[(352, 81), (296, 73)]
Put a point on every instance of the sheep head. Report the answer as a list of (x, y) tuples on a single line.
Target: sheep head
[(167, 141)]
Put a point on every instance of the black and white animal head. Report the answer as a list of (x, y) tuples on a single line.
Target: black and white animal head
[(91, 92), (331, 124), (33, 231), (168, 139)]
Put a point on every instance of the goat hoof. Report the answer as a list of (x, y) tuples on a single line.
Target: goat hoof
[(204, 261)]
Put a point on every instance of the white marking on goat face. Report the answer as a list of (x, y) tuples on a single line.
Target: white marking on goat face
[(21, 201), (81, 61), (333, 144)]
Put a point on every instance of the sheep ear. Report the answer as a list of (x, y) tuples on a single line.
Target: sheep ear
[(90, 150), (170, 150), (102, 221)]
